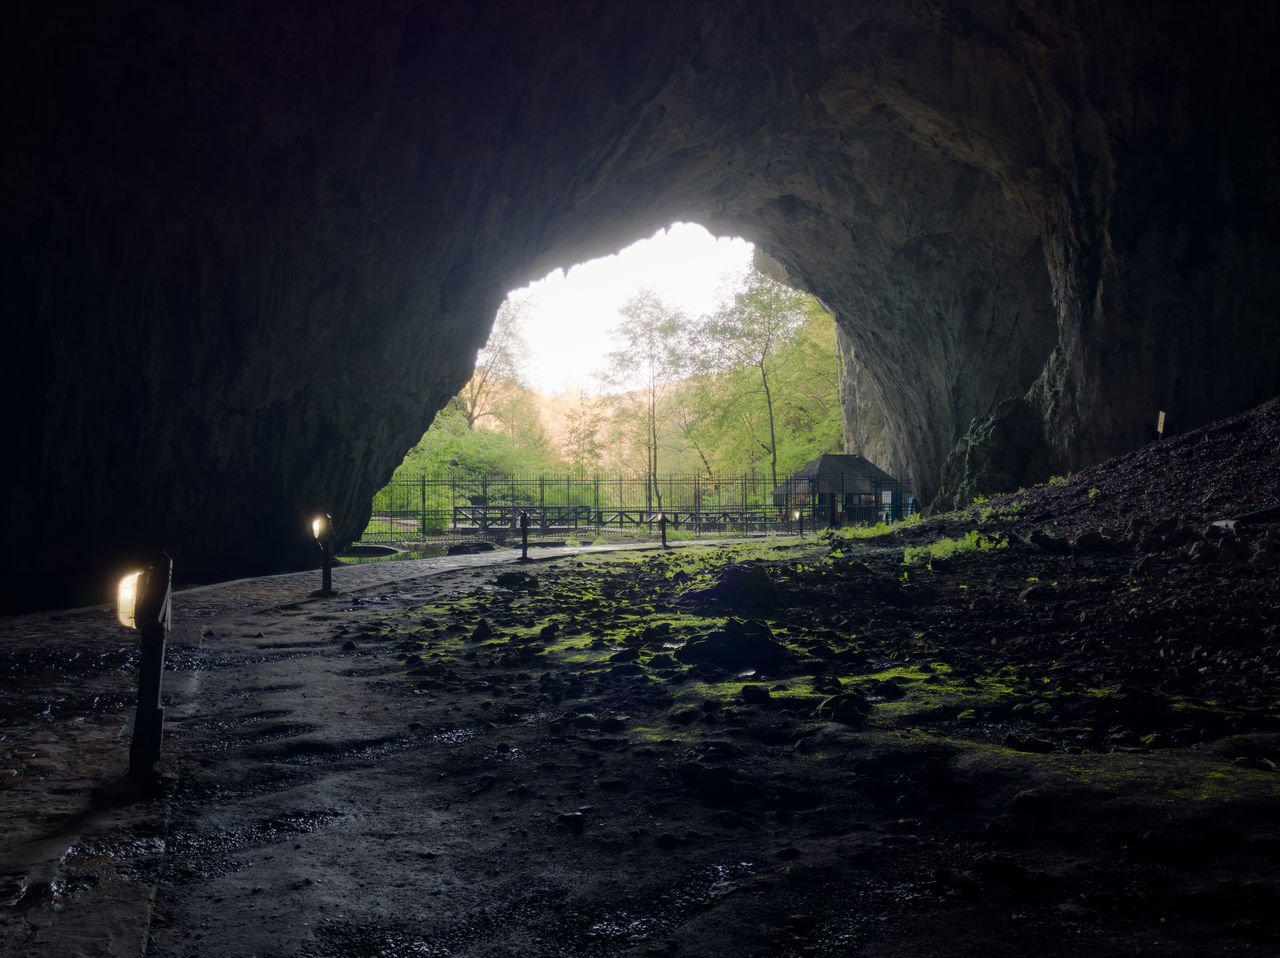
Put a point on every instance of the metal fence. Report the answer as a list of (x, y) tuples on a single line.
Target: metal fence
[(454, 505)]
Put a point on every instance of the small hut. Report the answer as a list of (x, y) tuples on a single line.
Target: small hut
[(837, 489)]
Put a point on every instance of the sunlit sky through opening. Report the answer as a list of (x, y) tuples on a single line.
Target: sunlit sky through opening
[(570, 317)]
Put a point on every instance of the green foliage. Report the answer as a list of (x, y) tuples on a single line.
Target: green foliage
[(655, 354), (766, 404), (996, 513), (450, 442), (772, 361), (726, 412), (876, 531), (972, 541), (583, 443)]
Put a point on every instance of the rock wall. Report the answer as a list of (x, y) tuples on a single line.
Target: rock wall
[(249, 250)]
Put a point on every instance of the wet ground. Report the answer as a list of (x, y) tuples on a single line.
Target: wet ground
[(1049, 725)]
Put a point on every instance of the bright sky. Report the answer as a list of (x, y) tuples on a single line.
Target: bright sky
[(570, 316)]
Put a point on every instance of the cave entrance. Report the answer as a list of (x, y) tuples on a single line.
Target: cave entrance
[(569, 319), (670, 381)]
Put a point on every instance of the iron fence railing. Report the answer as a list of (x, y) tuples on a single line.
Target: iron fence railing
[(455, 504)]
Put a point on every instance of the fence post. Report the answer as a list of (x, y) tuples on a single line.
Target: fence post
[(697, 502)]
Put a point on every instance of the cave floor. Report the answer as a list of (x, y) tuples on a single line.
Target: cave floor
[(542, 760)]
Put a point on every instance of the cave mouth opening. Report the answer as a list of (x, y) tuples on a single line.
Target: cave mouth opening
[(540, 413), (568, 319)]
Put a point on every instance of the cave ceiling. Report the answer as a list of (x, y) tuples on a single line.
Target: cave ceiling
[(251, 249)]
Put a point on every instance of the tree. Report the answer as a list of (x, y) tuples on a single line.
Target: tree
[(582, 442), (487, 394), (654, 356), (810, 421), (451, 443), (754, 332)]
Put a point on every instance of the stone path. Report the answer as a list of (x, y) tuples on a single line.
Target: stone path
[(80, 855)]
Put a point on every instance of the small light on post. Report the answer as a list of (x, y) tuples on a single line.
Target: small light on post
[(322, 529), (798, 515), (524, 537), (143, 602), (662, 527)]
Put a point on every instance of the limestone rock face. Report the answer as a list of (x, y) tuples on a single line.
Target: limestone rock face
[(1003, 451), (248, 251)]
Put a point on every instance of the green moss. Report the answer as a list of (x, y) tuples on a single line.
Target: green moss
[(972, 541)]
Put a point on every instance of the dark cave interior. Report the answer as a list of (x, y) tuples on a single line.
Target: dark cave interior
[(250, 251)]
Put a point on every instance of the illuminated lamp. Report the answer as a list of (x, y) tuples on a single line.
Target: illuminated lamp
[(144, 603), (322, 529), (127, 600)]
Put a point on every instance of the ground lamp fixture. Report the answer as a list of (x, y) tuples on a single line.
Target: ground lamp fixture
[(798, 515), (662, 527), (143, 603), (322, 529), (524, 537)]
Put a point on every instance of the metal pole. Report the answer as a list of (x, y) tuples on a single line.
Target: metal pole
[(524, 537)]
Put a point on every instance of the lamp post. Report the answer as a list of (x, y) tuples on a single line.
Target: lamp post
[(143, 602), (798, 515), (524, 537), (322, 529), (662, 527)]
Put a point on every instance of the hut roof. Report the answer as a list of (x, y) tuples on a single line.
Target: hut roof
[(831, 470)]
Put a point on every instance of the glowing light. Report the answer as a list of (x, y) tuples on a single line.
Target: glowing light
[(127, 600), (321, 528)]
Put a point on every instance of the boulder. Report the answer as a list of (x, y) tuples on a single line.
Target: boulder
[(738, 645)]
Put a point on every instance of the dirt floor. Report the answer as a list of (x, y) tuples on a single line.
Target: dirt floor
[(1047, 725)]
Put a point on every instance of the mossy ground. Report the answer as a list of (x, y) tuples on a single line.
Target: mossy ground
[(1022, 748), (621, 615)]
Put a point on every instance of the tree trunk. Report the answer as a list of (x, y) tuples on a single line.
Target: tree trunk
[(773, 439), (653, 439)]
